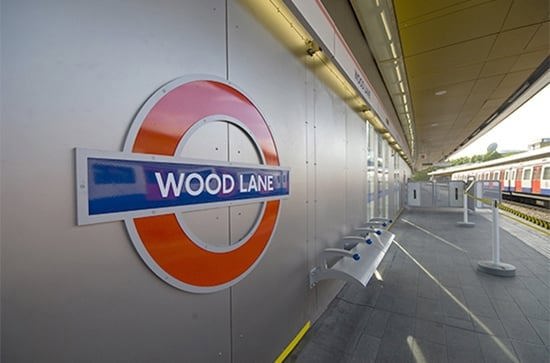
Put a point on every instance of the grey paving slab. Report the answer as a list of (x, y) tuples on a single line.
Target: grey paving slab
[(405, 306), (475, 296), (537, 242), (410, 316), (483, 310), (496, 290), (540, 290), (429, 290), (401, 323), (459, 323), (496, 349), (462, 345), (367, 296), (430, 331), (385, 301), (490, 326), (394, 347), (521, 329), (531, 307), (542, 327), (340, 330), (431, 310), (427, 351), (377, 323), (531, 353), (366, 351), (317, 353), (507, 309), (452, 310)]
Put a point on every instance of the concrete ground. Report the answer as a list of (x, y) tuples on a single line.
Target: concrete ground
[(432, 305)]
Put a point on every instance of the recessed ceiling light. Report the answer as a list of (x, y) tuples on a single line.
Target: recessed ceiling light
[(440, 93), (434, 124)]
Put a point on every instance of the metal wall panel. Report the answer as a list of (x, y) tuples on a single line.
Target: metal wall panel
[(216, 147), (74, 74), (312, 252), (371, 172), (214, 233), (242, 148), (330, 180), (356, 162), (243, 219), (268, 306)]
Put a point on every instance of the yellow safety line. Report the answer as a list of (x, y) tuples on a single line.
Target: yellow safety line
[(290, 347)]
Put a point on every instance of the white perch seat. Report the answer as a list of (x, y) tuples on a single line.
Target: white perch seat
[(358, 260)]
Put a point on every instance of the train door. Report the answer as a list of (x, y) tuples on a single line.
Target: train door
[(496, 177), (526, 180), (545, 180), (506, 181), (516, 177), (535, 179)]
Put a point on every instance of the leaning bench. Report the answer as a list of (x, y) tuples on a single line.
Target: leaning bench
[(360, 256)]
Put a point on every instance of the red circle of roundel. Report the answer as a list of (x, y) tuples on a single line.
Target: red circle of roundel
[(165, 119)]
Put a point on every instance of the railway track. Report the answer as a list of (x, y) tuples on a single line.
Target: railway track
[(536, 211), (537, 215)]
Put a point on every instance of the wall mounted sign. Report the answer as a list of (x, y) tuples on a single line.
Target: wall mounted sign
[(150, 182)]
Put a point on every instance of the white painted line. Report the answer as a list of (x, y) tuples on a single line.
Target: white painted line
[(434, 235), (478, 321)]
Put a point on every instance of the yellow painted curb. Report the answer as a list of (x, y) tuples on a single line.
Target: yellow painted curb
[(290, 347)]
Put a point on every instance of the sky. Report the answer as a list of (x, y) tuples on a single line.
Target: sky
[(527, 125)]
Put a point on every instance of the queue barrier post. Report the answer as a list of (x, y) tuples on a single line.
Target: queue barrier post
[(465, 222), (495, 266)]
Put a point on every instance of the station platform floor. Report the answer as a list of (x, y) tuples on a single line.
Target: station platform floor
[(430, 304)]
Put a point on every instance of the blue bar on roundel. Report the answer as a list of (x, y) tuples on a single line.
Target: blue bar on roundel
[(132, 185)]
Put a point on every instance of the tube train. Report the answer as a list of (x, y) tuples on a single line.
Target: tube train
[(523, 181)]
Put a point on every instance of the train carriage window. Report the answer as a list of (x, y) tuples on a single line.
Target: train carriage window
[(513, 174), (506, 175), (546, 173), (496, 175), (527, 174)]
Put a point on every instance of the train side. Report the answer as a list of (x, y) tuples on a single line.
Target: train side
[(525, 181)]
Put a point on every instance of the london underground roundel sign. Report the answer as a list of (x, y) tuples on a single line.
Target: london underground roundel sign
[(151, 181)]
